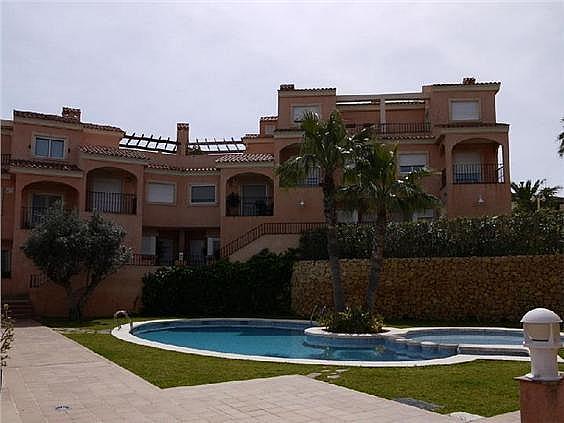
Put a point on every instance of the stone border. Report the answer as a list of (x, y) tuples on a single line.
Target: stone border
[(124, 334)]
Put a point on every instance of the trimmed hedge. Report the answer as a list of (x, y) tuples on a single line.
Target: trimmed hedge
[(260, 286), (521, 234)]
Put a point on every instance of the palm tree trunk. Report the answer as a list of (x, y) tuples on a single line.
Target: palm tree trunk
[(332, 246), (376, 260)]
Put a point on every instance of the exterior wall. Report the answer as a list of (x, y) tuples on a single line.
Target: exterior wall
[(120, 291), (481, 288), (274, 243)]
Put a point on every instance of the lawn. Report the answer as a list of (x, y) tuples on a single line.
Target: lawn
[(483, 387)]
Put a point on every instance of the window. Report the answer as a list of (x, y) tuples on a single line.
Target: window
[(269, 129), (426, 214), (298, 112), (49, 147), (411, 162), (347, 216), (160, 192), (149, 245), (465, 110), (202, 194), (6, 265)]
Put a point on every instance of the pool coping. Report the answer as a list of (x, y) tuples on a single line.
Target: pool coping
[(123, 333)]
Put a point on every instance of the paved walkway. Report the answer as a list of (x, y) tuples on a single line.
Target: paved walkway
[(47, 370)]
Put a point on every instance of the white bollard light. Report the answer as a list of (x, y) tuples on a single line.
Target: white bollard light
[(541, 329)]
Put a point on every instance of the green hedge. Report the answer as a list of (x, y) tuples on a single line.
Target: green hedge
[(260, 286), (521, 234)]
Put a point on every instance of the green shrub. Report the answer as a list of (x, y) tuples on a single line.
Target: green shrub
[(352, 320), (260, 286), (521, 234)]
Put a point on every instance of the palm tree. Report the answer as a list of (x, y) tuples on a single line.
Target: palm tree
[(530, 196), (561, 141), (371, 182), (325, 148)]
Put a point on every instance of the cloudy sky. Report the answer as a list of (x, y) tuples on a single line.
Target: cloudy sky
[(217, 65)]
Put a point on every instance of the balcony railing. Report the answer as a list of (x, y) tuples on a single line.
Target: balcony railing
[(478, 173), (34, 216), (313, 178), (154, 260), (252, 206), (111, 202), (393, 128), (6, 158)]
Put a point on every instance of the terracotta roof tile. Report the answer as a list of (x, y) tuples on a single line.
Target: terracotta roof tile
[(251, 136), (269, 118), (471, 125), (245, 158), (164, 166), (460, 83), (408, 137), (35, 164), (44, 116), (101, 150)]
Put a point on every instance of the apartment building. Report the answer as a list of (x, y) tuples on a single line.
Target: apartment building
[(191, 200)]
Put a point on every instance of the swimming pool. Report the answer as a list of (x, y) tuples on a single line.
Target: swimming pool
[(294, 341)]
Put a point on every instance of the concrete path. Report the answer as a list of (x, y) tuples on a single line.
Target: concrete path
[(53, 379)]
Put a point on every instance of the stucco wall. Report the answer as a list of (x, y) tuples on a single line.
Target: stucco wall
[(120, 291), (488, 288), (274, 243)]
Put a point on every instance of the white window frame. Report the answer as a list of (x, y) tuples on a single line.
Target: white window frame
[(464, 100), (202, 203), (304, 106), (50, 138), (149, 183), (413, 167)]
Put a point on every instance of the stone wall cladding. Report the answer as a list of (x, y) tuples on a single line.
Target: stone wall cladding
[(458, 288)]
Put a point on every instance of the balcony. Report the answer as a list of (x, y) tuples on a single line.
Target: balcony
[(250, 206), (111, 202), (478, 173), (313, 178), (393, 128), (34, 216)]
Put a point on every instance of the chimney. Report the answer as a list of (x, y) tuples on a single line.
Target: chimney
[(71, 114), (182, 134), (469, 81), (286, 87)]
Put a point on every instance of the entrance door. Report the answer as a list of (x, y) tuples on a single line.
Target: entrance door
[(197, 247), (165, 251), (106, 195), (253, 199)]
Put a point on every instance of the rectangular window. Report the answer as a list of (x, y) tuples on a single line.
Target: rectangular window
[(159, 192), (6, 265), (411, 162), (202, 194), (298, 112), (347, 216), (49, 147), (465, 110), (426, 214)]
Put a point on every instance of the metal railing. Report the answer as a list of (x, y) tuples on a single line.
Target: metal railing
[(111, 202), (154, 260), (266, 229), (34, 216), (252, 206), (313, 178), (478, 173), (393, 128), (38, 279), (6, 159)]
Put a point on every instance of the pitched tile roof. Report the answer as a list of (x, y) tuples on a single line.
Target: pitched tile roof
[(102, 150), (36, 164), (460, 83), (164, 166), (63, 119), (245, 158), (472, 125), (269, 118), (408, 137)]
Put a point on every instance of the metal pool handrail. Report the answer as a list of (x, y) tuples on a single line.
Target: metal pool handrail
[(123, 313)]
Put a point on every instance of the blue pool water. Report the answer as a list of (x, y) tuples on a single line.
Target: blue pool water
[(271, 342)]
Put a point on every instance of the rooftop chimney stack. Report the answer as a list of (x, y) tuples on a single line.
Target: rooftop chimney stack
[(182, 137), (286, 87), (469, 81), (71, 114)]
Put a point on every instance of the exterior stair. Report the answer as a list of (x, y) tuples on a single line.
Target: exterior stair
[(21, 308)]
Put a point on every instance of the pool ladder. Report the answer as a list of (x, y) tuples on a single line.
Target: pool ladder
[(125, 314), (315, 308)]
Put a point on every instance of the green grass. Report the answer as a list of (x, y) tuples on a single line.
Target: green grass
[(483, 387)]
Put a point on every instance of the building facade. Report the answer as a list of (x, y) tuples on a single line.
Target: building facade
[(192, 200)]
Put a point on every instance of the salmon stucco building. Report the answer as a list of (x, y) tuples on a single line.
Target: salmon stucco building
[(194, 199)]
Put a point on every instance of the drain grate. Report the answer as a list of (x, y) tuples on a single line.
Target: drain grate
[(429, 406)]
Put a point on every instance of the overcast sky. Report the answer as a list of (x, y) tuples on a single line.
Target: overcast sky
[(217, 65)]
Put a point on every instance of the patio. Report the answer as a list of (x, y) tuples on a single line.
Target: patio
[(47, 370)]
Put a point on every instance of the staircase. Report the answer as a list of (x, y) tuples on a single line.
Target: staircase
[(20, 307), (266, 229)]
